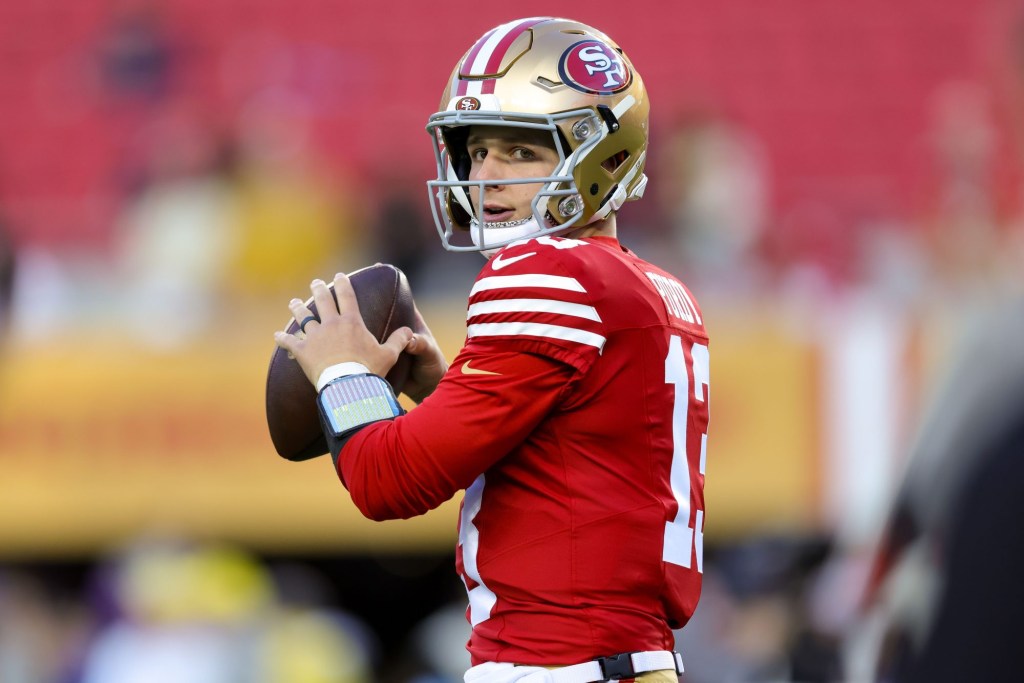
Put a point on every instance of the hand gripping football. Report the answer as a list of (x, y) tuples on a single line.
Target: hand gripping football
[(385, 303)]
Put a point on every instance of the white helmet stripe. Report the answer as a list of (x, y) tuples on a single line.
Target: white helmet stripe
[(625, 105), (486, 55)]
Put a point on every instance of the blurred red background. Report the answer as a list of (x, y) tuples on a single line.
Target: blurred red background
[(843, 96)]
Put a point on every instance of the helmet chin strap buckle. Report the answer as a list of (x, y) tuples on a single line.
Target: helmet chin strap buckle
[(641, 185)]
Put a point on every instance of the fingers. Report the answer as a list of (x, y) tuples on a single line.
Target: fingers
[(324, 301), (347, 301), (301, 313), (325, 305), (286, 341), (339, 335)]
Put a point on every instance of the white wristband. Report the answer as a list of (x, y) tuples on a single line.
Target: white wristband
[(340, 370)]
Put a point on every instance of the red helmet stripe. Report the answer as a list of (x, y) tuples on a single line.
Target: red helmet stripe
[(467, 63), (502, 47), (492, 56)]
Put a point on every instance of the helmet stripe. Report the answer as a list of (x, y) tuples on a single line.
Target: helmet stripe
[(467, 63), (502, 48), (486, 55)]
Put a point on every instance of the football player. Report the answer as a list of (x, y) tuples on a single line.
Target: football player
[(575, 416)]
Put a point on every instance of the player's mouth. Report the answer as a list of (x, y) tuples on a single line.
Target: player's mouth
[(494, 213)]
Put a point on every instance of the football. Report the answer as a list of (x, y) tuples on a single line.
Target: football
[(385, 304)]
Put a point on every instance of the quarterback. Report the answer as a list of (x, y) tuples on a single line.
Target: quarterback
[(575, 415)]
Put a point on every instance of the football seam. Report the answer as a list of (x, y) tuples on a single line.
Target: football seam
[(391, 311)]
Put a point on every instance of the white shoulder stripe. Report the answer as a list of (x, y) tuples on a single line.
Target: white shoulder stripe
[(536, 330), (530, 280), (533, 306)]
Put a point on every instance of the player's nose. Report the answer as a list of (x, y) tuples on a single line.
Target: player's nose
[(490, 169)]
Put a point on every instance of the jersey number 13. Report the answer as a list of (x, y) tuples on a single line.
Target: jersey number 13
[(683, 542)]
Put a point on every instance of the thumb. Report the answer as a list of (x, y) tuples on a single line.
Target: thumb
[(398, 340)]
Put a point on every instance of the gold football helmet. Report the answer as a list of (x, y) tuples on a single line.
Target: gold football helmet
[(549, 74)]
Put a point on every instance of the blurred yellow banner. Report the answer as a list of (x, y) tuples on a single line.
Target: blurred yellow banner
[(102, 444), (101, 441)]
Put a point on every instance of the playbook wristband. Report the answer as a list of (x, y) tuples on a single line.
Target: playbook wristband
[(351, 402)]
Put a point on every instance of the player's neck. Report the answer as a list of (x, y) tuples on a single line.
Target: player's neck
[(602, 228)]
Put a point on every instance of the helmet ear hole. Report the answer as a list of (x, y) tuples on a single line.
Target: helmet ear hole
[(612, 163)]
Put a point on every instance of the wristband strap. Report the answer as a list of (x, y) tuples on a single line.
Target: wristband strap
[(354, 401), (340, 370)]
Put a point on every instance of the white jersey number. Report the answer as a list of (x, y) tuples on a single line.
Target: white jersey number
[(682, 541)]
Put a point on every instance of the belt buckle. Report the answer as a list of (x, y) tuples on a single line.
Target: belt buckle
[(617, 667)]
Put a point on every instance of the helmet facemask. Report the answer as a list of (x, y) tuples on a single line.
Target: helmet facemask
[(556, 207)]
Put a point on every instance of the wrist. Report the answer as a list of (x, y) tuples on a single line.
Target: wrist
[(337, 371)]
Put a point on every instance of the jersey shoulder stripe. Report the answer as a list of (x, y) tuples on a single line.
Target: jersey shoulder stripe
[(540, 301), (533, 306), (538, 280), (529, 329)]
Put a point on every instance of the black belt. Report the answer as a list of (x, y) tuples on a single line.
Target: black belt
[(618, 667)]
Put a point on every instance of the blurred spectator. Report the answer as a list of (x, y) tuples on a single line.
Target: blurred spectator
[(295, 221), (753, 625), (139, 64), (135, 52), (182, 611), (945, 596), (8, 262), (966, 241), (176, 239), (40, 636), (813, 249), (713, 187), (401, 235), (306, 640), (439, 642), (311, 646)]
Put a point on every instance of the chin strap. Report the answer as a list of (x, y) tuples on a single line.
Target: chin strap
[(503, 232)]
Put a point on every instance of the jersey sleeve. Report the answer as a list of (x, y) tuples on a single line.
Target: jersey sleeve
[(487, 403), (530, 298)]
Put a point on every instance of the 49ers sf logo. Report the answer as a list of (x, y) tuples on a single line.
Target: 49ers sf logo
[(591, 66)]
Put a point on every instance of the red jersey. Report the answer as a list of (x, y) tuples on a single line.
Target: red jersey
[(575, 417)]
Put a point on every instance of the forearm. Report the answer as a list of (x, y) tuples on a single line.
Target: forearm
[(388, 478), (406, 467)]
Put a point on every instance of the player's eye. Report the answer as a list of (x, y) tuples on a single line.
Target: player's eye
[(523, 154), (477, 154)]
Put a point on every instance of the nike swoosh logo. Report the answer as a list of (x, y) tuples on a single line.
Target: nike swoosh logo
[(497, 263), (466, 370)]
